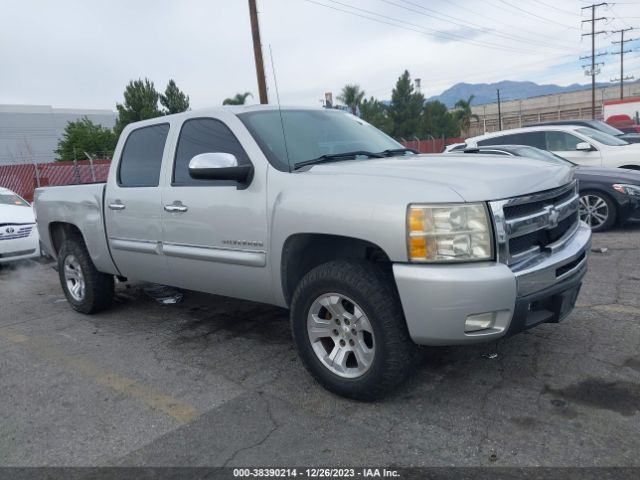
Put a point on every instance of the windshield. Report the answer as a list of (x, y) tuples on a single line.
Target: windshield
[(601, 137), (538, 154), (606, 128), (12, 199), (309, 134)]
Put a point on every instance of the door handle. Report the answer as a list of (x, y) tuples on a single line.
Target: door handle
[(176, 207), (117, 206)]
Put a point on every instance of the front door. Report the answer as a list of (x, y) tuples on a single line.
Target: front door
[(133, 206), (215, 231)]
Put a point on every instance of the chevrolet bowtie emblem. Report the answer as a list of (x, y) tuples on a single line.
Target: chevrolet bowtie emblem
[(553, 214)]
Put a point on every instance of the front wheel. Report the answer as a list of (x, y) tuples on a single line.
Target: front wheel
[(597, 210), (349, 329), (86, 289)]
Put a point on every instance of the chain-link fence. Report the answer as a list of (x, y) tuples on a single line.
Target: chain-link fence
[(25, 178)]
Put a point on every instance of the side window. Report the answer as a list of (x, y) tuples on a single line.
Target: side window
[(204, 135), (533, 139), (142, 157), (561, 141)]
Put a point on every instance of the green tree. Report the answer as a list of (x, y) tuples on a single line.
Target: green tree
[(438, 121), (464, 115), (174, 100), (140, 103), (82, 137), (352, 96), (406, 108), (375, 112), (238, 99)]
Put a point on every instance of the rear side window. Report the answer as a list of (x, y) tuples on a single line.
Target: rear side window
[(142, 157), (533, 139), (204, 135)]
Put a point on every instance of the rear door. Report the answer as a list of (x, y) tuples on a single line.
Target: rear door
[(215, 231), (133, 206), (564, 144)]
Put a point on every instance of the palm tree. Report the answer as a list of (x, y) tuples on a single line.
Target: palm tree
[(464, 114), (238, 99), (351, 96)]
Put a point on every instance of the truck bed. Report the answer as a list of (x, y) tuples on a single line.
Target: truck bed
[(81, 206)]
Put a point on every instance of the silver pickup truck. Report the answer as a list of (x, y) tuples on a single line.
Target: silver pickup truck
[(373, 248)]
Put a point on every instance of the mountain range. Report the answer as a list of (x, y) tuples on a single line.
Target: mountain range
[(509, 90)]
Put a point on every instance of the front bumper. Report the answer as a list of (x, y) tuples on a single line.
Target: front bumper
[(20, 249), (437, 299)]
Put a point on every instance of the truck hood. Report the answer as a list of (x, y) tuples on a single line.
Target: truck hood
[(15, 214), (475, 178)]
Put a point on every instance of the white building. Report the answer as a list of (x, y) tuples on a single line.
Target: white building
[(30, 133)]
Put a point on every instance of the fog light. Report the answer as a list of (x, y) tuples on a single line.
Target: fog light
[(479, 321)]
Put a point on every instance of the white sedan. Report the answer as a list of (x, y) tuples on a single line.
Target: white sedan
[(19, 237)]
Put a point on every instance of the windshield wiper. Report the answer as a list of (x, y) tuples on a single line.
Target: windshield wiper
[(332, 157), (394, 151)]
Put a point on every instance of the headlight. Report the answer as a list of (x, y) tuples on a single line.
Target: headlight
[(449, 233), (632, 190)]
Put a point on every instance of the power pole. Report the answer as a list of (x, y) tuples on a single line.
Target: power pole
[(593, 34), (257, 52), (499, 113), (621, 53)]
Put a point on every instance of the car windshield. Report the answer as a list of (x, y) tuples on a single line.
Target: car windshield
[(541, 155), (12, 199), (293, 136), (601, 137), (606, 128)]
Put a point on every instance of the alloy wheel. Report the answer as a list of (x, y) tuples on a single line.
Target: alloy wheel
[(341, 335)]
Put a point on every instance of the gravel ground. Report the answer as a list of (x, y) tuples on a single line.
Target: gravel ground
[(214, 381)]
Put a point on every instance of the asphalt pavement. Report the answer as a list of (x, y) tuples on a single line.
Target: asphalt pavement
[(214, 381)]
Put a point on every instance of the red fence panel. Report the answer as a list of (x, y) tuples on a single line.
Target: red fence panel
[(23, 178), (435, 145)]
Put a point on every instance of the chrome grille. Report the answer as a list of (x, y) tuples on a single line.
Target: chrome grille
[(528, 226), (12, 232)]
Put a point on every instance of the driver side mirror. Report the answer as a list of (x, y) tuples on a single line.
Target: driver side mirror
[(219, 166), (584, 147)]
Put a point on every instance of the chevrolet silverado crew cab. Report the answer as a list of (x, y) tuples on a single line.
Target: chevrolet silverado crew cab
[(373, 248)]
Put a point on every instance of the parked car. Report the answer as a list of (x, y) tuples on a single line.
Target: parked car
[(581, 145), (454, 147), (19, 238), (608, 196), (631, 137), (373, 248)]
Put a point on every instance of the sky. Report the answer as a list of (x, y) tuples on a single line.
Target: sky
[(82, 53)]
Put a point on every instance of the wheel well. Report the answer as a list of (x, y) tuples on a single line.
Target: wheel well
[(61, 231), (631, 167), (303, 252)]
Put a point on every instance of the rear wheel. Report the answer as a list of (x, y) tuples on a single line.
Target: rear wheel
[(349, 329), (86, 289), (597, 210)]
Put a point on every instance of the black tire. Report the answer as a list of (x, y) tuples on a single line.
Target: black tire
[(373, 289), (98, 287), (611, 209)]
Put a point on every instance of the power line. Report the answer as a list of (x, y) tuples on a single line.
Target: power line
[(522, 10), (465, 24), (554, 7), (417, 28)]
